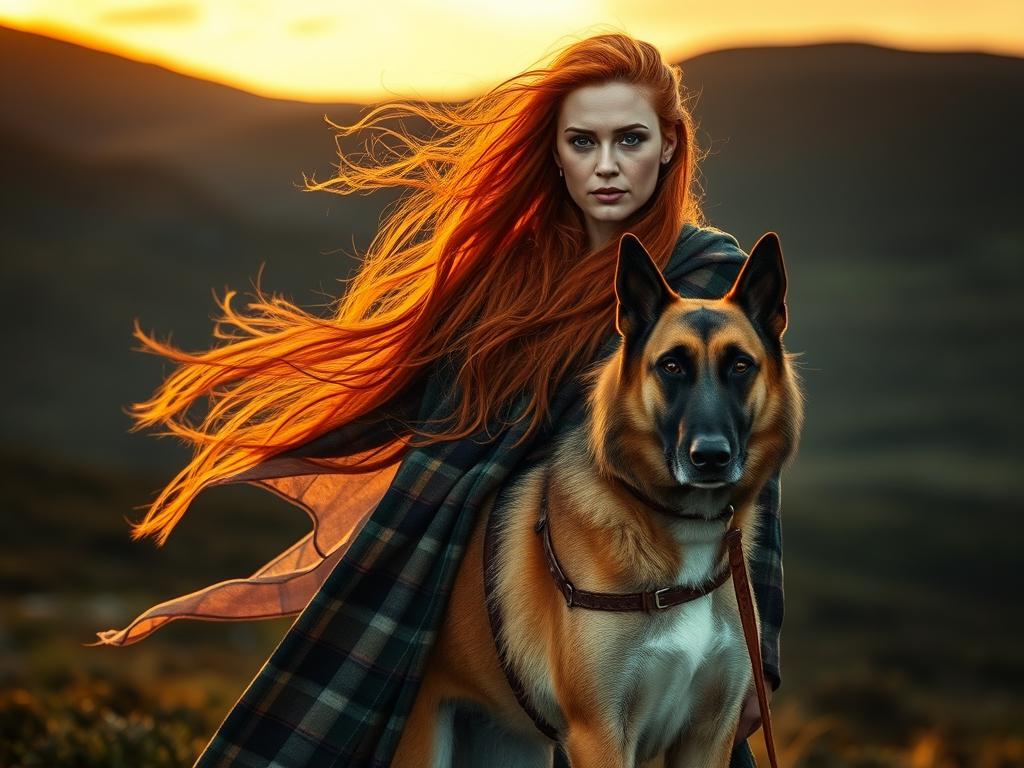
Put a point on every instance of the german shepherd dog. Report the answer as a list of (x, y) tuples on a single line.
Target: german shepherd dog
[(686, 422)]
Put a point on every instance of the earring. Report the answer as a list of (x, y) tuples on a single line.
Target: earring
[(560, 171)]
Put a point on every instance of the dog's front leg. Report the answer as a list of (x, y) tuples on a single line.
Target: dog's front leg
[(596, 745), (707, 746), (427, 737)]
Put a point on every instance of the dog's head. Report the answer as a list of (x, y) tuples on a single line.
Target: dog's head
[(703, 396)]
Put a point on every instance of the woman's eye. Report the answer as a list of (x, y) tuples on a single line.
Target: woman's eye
[(631, 139), (580, 141)]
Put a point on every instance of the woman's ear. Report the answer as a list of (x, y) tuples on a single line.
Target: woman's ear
[(668, 144)]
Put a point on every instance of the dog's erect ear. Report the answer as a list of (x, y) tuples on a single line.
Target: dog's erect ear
[(641, 291), (760, 288)]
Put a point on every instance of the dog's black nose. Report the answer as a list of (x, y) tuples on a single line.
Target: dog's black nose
[(707, 451)]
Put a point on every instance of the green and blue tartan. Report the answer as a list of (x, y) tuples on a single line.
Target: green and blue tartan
[(338, 688)]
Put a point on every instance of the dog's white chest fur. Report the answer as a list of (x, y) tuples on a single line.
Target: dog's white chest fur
[(661, 671), (682, 665)]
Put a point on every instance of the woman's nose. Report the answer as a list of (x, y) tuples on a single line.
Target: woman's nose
[(606, 162)]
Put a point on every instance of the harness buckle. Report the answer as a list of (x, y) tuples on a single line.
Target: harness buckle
[(568, 594), (657, 598)]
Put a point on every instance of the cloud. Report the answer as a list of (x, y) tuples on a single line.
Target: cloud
[(168, 13)]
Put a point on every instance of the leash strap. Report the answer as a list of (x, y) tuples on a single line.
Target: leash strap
[(745, 600)]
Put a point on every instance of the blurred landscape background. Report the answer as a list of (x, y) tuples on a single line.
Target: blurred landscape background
[(894, 180)]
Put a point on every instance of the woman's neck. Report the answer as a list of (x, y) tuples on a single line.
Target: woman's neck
[(600, 233)]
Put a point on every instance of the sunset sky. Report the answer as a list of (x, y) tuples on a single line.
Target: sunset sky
[(319, 50)]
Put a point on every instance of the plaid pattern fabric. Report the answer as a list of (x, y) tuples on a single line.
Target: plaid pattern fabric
[(338, 688)]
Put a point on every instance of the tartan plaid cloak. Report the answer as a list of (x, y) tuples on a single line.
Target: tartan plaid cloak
[(338, 688)]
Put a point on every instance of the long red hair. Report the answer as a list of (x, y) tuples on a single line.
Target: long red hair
[(471, 263)]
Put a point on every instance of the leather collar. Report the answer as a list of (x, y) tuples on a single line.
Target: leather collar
[(652, 600)]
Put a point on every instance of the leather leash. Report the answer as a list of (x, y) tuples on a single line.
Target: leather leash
[(745, 601), (653, 600)]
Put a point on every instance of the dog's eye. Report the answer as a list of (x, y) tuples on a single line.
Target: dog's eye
[(671, 366), (741, 366)]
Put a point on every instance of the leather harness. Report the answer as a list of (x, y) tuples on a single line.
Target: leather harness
[(652, 600)]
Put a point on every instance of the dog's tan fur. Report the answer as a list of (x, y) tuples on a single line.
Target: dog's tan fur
[(582, 667)]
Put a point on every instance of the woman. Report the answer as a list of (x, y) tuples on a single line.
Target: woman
[(393, 420)]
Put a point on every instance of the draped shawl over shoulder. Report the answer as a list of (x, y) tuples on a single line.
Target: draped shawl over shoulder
[(373, 577)]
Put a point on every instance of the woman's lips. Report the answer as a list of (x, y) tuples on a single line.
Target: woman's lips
[(608, 197)]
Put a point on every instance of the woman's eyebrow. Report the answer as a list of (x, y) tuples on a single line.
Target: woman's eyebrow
[(617, 130)]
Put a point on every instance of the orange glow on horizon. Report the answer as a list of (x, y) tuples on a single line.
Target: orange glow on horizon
[(451, 49)]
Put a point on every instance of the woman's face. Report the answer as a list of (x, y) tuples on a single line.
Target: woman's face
[(609, 138)]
